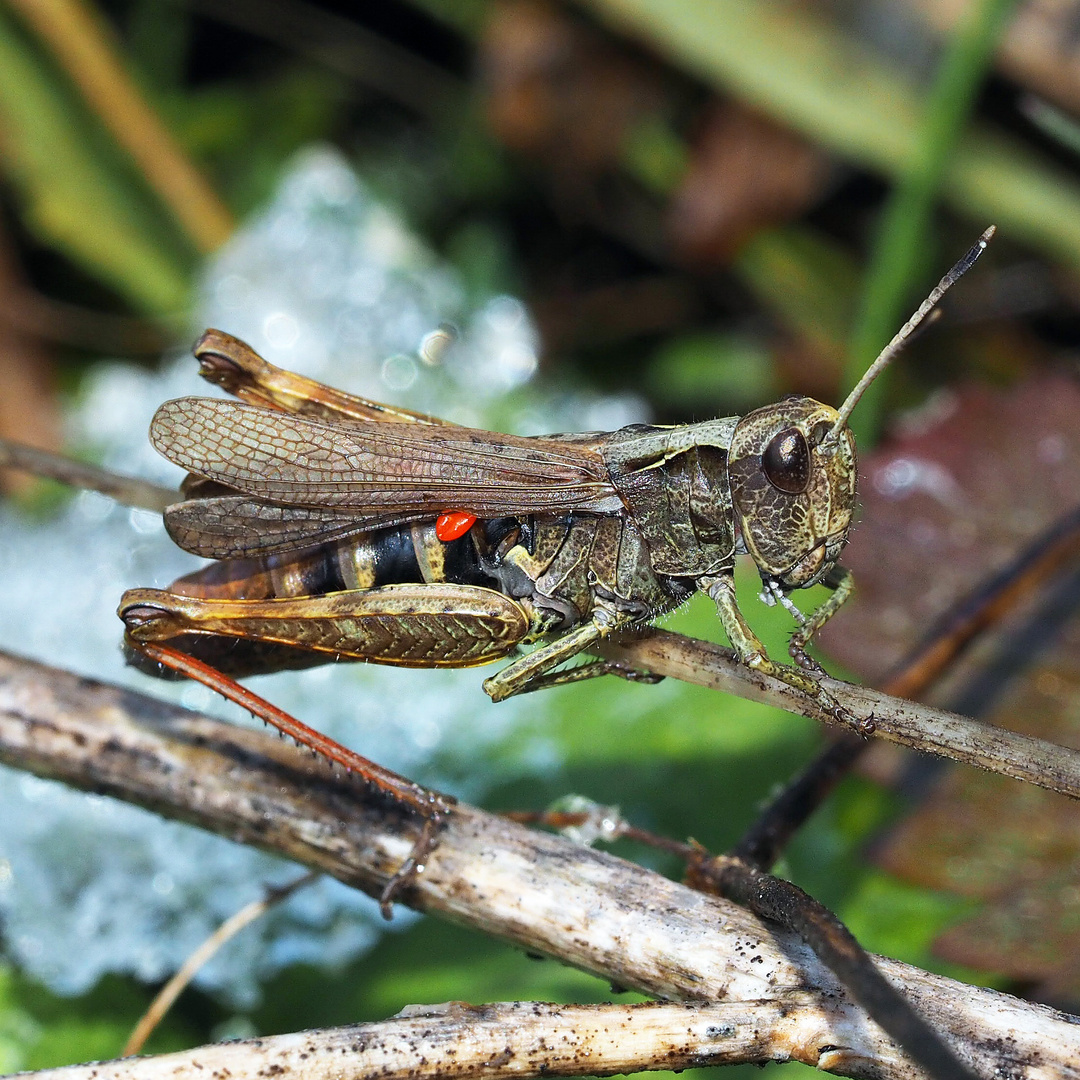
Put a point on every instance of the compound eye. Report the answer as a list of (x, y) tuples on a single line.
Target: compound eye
[(786, 462)]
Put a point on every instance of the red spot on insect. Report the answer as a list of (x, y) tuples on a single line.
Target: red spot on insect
[(453, 524)]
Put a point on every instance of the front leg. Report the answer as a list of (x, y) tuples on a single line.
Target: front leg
[(842, 583), (751, 651)]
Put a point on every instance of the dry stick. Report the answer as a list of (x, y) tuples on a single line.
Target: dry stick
[(599, 824), (509, 1039), (776, 900), (81, 42), (770, 832), (908, 723), (201, 955), (741, 877), (541, 892), (129, 490)]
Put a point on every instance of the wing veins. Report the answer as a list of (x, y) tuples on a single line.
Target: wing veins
[(307, 462)]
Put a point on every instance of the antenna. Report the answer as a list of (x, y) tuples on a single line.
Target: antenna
[(889, 353)]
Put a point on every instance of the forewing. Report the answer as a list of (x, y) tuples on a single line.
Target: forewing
[(386, 467), (238, 526)]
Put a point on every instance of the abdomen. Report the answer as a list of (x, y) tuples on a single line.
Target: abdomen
[(412, 554)]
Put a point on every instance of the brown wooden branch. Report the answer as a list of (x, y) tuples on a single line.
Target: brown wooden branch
[(512, 1039), (908, 723), (129, 490), (778, 901), (539, 892)]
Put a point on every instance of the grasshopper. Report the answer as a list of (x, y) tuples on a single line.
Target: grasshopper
[(343, 529)]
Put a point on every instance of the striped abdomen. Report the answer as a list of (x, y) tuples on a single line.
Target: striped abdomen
[(365, 561)]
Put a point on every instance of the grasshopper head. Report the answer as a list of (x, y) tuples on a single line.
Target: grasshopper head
[(792, 476), (792, 467)]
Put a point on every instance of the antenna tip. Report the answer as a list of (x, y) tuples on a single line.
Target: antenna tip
[(987, 236)]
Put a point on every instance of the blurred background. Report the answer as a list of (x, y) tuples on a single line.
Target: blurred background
[(542, 216)]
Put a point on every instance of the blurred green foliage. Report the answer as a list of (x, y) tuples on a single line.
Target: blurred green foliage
[(907, 218), (693, 368), (39, 1030), (77, 191)]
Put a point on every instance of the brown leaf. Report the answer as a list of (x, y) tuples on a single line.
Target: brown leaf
[(1013, 847)]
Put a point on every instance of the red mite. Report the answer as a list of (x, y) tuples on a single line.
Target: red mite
[(453, 524)]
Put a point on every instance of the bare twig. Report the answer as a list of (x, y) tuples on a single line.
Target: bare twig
[(921, 727), (541, 892), (519, 1039), (167, 995), (82, 44), (591, 823), (776, 900), (987, 604), (764, 841), (129, 490)]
